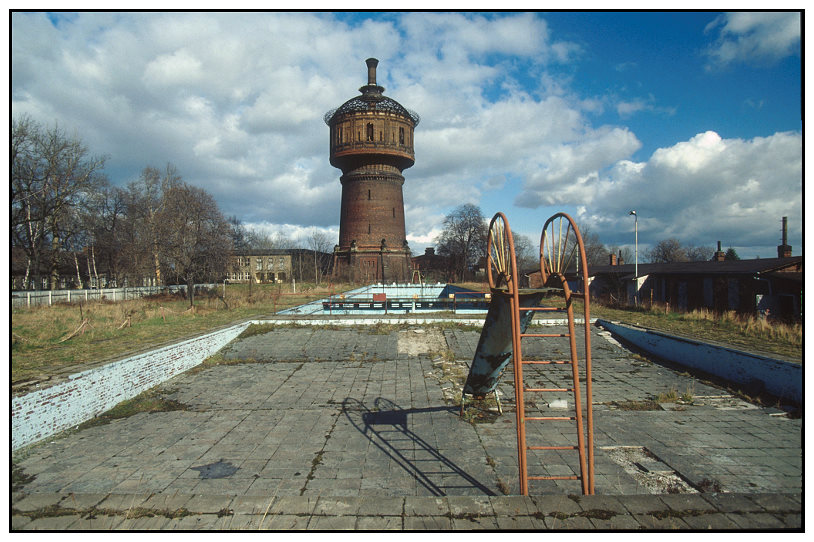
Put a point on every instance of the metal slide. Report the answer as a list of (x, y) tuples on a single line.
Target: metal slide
[(510, 313)]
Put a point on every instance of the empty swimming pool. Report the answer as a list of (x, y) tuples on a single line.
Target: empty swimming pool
[(398, 299)]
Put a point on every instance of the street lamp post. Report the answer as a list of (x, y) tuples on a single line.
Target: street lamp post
[(636, 267)]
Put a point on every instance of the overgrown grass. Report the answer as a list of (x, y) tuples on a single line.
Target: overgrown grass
[(743, 332), (41, 347), (152, 400)]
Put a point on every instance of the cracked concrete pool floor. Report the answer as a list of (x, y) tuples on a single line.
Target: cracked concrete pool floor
[(354, 413)]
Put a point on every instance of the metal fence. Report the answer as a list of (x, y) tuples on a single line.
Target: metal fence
[(30, 298)]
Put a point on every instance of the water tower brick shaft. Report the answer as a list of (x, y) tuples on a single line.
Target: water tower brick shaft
[(371, 141)]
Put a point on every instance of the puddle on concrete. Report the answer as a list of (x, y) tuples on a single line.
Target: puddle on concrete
[(221, 469), (648, 470)]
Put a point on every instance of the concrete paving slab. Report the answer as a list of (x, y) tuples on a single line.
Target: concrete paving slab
[(285, 522), (474, 522), (376, 523), (715, 521), (727, 502), (82, 501), (616, 523), (427, 523), (332, 523), (520, 523), (424, 506), (758, 521), (251, 504), (37, 501), (18, 523), (59, 523), (382, 506), (513, 505), (648, 521)]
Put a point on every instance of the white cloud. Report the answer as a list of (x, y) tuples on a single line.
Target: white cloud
[(754, 37), (731, 188)]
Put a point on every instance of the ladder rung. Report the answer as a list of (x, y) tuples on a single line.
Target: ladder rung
[(540, 390), (542, 308), (552, 447), (554, 478), (550, 418), (546, 362), (579, 295), (544, 335)]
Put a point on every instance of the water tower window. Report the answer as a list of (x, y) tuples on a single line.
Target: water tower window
[(368, 228), (394, 212), (401, 136), (368, 194), (370, 131)]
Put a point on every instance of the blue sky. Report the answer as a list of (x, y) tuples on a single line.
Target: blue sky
[(693, 119)]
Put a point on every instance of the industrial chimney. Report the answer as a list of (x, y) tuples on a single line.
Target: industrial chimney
[(719, 255), (784, 249)]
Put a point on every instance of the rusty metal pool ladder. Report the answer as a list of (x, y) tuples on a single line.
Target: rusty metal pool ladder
[(553, 266)]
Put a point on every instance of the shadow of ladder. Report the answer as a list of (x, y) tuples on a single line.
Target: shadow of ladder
[(398, 441)]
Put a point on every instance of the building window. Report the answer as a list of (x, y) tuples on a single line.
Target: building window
[(401, 136), (368, 194), (394, 212), (370, 131), (368, 228), (258, 264)]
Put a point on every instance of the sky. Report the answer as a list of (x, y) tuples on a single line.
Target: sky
[(692, 119)]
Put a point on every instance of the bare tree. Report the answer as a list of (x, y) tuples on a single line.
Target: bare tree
[(463, 239), (239, 233), (146, 202), (52, 175), (319, 243), (107, 241), (195, 238), (667, 251), (699, 254), (595, 251), (527, 254)]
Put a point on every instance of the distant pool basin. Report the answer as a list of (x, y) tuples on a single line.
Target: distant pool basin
[(398, 299)]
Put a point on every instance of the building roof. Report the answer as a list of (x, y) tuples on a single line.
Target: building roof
[(362, 103), (759, 266)]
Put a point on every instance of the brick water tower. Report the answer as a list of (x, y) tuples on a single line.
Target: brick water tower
[(372, 143)]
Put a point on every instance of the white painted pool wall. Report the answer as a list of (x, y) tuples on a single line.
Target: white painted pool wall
[(42, 413), (782, 379)]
